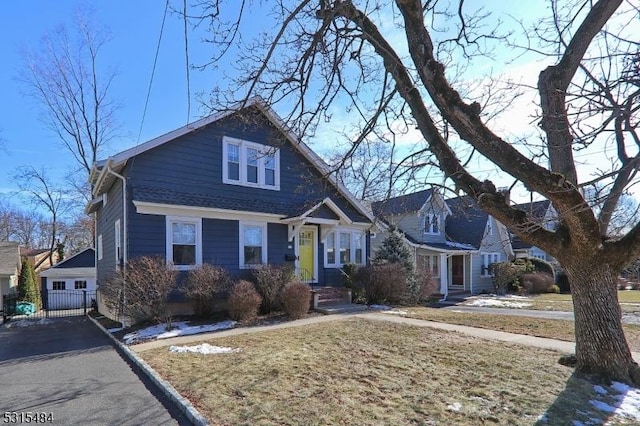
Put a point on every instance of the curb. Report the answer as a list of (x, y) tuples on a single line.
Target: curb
[(165, 387)]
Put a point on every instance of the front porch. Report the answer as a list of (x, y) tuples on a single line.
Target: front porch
[(452, 269)]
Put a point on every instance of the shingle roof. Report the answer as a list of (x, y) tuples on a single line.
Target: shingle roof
[(536, 210), (84, 259), (9, 258), (467, 221), (166, 196), (402, 204)]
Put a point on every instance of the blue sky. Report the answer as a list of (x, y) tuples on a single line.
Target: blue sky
[(135, 27)]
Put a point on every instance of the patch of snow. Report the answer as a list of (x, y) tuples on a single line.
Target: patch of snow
[(459, 245), (113, 330), (181, 328), (205, 349), (498, 303), (600, 390), (627, 402), (455, 407), (28, 323), (396, 312), (380, 307)]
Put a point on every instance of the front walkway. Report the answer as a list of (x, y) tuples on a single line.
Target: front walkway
[(521, 339)]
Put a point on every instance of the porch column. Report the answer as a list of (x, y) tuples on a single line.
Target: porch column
[(444, 271), (470, 273)]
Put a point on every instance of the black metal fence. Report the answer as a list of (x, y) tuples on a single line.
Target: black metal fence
[(54, 303)]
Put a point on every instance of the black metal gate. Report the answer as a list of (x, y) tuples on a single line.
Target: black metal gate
[(54, 303)]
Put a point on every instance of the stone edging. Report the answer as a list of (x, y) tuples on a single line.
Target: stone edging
[(165, 387)]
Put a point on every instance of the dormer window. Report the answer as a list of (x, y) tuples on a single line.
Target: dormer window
[(250, 164), (432, 224)]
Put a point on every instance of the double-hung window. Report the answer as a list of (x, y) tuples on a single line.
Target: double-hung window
[(344, 246), (429, 263), (432, 224), (250, 164), (184, 242), (253, 244), (487, 260)]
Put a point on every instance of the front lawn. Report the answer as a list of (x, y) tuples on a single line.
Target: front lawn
[(362, 372), (629, 302), (540, 327)]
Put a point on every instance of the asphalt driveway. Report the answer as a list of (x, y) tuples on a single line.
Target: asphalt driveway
[(68, 368)]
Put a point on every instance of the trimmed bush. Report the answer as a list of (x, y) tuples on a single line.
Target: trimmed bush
[(296, 299), (384, 283), (270, 281), (537, 282), (350, 281), (507, 274), (203, 285), (142, 294), (422, 286), (540, 265), (244, 301)]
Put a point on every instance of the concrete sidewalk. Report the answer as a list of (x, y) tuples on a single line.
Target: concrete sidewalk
[(521, 339)]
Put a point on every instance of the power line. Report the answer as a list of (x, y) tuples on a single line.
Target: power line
[(153, 70)]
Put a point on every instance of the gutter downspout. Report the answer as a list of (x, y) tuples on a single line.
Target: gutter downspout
[(124, 225)]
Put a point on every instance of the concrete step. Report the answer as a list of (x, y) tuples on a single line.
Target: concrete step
[(341, 309)]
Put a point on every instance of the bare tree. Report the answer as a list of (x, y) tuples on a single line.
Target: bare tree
[(43, 194), (65, 78), (327, 55)]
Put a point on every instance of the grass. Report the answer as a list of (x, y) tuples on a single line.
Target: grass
[(361, 372), (629, 299), (541, 327)]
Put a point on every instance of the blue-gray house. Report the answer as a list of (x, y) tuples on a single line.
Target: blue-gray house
[(236, 190)]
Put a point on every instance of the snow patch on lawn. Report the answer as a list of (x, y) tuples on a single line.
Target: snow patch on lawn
[(387, 310), (28, 323), (205, 349), (619, 403), (498, 303), (455, 407), (181, 328)]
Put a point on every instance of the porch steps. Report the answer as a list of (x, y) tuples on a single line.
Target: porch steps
[(333, 300)]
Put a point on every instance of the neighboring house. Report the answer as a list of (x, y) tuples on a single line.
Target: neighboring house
[(9, 268), (65, 281), (39, 258), (235, 190), (543, 213), (452, 239)]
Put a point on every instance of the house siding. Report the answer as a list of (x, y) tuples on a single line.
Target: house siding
[(106, 217), (192, 164), (492, 243)]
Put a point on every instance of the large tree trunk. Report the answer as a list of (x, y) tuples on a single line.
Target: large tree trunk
[(601, 347)]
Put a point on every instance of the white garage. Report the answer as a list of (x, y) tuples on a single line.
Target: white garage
[(70, 284)]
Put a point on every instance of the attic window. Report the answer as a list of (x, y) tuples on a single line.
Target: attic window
[(250, 164), (432, 224)]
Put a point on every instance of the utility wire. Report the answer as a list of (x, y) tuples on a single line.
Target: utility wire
[(186, 54), (153, 70)]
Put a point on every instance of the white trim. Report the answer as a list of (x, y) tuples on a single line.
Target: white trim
[(315, 160), (143, 207), (169, 220), (69, 272), (99, 247), (241, 227), (315, 251), (490, 258), (263, 151), (336, 231)]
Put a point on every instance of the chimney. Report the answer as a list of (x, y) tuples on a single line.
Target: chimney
[(506, 192)]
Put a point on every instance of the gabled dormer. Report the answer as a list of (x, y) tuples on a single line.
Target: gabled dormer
[(433, 215)]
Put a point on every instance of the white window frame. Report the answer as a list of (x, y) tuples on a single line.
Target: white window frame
[(263, 151), (487, 259), (77, 282), (53, 283), (428, 224), (170, 220), (352, 247), (434, 264), (249, 224), (99, 247)]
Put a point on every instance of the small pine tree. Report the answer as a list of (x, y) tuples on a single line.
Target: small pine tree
[(394, 250), (28, 287)]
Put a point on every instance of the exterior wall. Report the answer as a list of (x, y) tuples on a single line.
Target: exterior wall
[(8, 285), (412, 224), (192, 164), (68, 298), (106, 217), (494, 242)]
